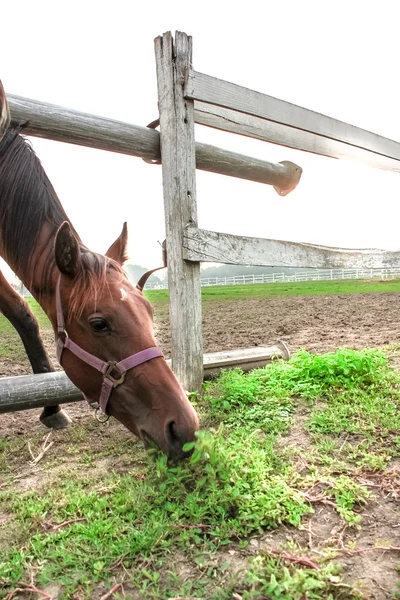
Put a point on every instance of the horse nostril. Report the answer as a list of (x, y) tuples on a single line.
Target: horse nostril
[(176, 440), (173, 434)]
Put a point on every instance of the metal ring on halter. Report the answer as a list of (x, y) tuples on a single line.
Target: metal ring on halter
[(103, 418)]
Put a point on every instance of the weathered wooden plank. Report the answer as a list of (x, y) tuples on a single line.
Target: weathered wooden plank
[(229, 95), (267, 131), (61, 124), (36, 391), (173, 59), (245, 359), (203, 245), (283, 176)]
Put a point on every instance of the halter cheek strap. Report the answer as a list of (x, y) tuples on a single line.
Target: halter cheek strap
[(113, 372)]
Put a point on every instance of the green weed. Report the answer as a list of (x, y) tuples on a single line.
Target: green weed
[(271, 578)]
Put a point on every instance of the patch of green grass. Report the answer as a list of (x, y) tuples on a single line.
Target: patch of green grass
[(349, 494), (270, 577), (229, 487), (361, 397), (238, 481), (359, 412), (10, 342), (352, 453), (249, 401), (5, 325), (306, 375), (302, 288), (39, 313), (8, 451)]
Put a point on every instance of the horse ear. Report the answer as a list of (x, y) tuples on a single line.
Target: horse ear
[(68, 254), (5, 116), (118, 250)]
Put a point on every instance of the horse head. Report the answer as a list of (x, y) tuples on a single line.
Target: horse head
[(109, 320)]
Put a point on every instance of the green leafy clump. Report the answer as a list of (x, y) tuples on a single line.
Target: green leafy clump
[(306, 375), (348, 494), (246, 400), (362, 393), (264, 398), (359, 413), (269, 577), (313, 376), (235, 484)]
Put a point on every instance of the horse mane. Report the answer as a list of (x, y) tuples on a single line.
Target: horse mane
[(28, 201)]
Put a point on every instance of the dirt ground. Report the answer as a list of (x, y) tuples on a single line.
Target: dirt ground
[(316, 323)]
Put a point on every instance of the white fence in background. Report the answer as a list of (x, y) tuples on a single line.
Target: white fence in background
[(314, 275)]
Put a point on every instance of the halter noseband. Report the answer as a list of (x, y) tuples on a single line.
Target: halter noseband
[(113, 372)]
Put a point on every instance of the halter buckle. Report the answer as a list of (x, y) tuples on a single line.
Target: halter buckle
[(117, 377), (100, 416)]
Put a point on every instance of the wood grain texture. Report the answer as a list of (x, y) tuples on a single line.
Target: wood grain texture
[(229, 95), (267, 131), (211, 246), (245, 359), (37, 391), (283, 176), (173, 59), (65, 125)]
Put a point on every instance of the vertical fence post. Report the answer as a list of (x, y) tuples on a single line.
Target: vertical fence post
[(173, 60)]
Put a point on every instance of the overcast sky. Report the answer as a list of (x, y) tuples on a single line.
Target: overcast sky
[(340, 58)]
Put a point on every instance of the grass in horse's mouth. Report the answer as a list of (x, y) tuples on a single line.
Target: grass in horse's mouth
[(148, 441)]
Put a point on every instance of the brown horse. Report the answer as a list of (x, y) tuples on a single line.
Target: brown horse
[(103, 324)]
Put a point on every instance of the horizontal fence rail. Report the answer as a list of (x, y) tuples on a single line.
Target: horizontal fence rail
[(46, 389), (314, 132), (283, 135), (213, 246), (61, 124)]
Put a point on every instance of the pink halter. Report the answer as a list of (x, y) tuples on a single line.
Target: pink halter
[(113, 372)]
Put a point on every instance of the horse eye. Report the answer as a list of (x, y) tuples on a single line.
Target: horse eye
[(98, 324)]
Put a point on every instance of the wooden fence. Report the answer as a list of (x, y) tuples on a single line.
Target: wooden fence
[(187, 97)]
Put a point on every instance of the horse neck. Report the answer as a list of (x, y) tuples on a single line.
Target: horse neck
[(42, 278), (30, 214)]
